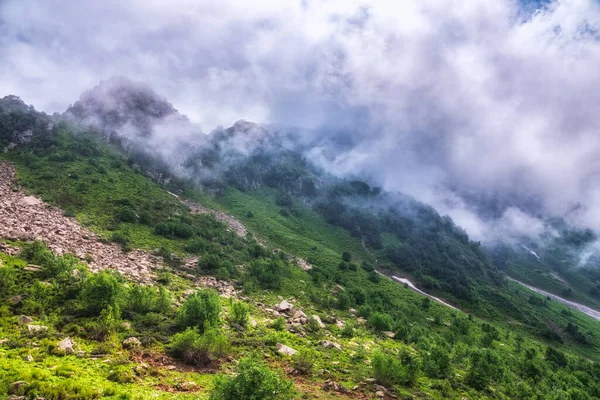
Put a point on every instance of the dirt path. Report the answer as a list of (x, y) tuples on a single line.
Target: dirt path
[(576, 306)]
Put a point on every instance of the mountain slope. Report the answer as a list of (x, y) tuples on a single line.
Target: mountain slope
[(435, 351)]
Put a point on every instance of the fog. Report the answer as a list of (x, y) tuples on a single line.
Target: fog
[(486, 110)]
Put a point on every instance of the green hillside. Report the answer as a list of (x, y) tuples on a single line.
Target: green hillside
[(354, 333)]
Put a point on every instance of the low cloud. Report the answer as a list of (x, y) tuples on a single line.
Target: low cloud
[(486, 110)]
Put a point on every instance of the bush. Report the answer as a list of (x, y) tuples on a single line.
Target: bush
[(199, 349), (240, 313), (303, 361), (201, 310), (120, 239), (346, 257), (126, 214), (348, 331), (436, 363), (100, 291), (278, 324), (268, 273), (8, 277), (37, 253), (253, 380), (175, 230), (389, 370), (484, 368), (146, 299), (380, 322), (210, 262)]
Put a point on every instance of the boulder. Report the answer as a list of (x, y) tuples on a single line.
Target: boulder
[(28, 358), (15, 300), (319, 322), (285, 350), (16, 386), (36, 328), (285, 306), (337, 289), (328, 344), (353, 311), (66, 345), (25, 320), (131, 343), (299, 314)]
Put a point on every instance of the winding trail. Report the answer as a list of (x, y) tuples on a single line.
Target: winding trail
[(579, 307), (408, 283)]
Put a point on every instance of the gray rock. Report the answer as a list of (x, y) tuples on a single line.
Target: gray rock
[(28, 358), (319, 322), (66, 345), (36, 328), (299, 314), (285, 350), (328, 344), (25, 320), (131, 343), (285, 306)]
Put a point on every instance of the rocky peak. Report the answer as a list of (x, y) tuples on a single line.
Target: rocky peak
[(118, 103)]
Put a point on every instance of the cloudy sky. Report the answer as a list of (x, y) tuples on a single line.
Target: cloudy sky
[(442, 99)]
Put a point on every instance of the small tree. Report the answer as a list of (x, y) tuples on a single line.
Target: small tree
[(253, 380), (199, 349), (240, 314), (201, 310), (100, 291)]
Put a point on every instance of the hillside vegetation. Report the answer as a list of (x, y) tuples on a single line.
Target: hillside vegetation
[(335, 329)]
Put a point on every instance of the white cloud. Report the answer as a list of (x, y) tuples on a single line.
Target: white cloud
[(434, 94)]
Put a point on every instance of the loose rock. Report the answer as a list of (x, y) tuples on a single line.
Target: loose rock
[(285, 350)]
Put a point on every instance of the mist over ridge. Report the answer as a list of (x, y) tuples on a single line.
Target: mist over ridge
[(475, 109)]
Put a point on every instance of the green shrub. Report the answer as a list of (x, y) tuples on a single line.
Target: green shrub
[(303, 361), (210, 262), (100, 291), (146, 299), (390, 370), (8, 278), (348, 330), (380, 322), (199, 349), (175, 230), (240, 314), (201, 310), (120, 239), (37, 253), (107, 324), (253, 381), (436, 363), (278, 324), (313, 325), (484, 368), (127, 214), (268, 272)]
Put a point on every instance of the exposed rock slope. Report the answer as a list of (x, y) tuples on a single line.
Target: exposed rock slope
[(27, 218)]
